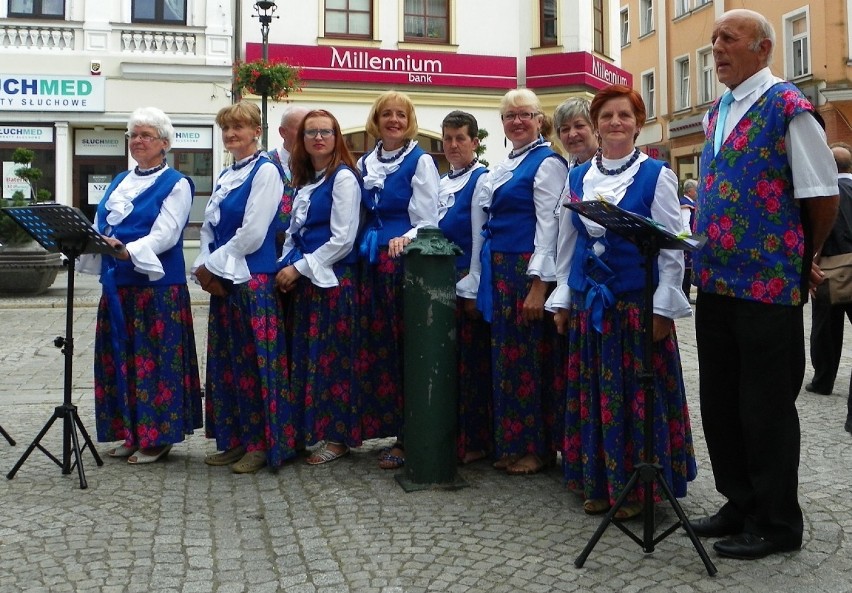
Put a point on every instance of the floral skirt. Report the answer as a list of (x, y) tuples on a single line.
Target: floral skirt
[(528, 404), (604, 419), (323, 355), (249, 401), (147, 391)]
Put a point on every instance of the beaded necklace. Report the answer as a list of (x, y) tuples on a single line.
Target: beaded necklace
[(455, 175), (147, 172), (396, 157), (621, 169), (513, 154), (238, 166)]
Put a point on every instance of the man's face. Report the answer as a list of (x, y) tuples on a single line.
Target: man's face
[(290, 129), (733, 38)]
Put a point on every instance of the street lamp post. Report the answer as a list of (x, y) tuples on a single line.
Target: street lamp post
[(264, 10)]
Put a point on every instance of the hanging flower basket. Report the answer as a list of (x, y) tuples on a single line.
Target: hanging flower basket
[(259, 77)]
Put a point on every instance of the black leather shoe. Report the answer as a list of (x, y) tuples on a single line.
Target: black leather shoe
[(848, 426), (748, 546), (811, 388), (715, 526)]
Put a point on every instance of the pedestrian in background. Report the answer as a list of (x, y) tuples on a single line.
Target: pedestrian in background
[(599, 302), (400, 195), (687, 212), (766, 203), (319, 273), (147, 390), (827, 319), (250, 410), (510, 281)]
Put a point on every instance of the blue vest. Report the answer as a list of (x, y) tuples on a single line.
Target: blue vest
[(387, 209), (456, 222), (620, 267), (756, 244), (137, 224), (512, 215), (231, 212), (316, 231)]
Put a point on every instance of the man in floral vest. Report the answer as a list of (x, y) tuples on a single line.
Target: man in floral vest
[(767, 200), (291, 119)]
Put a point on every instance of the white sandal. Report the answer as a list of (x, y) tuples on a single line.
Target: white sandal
[(324, 454), (140, 457), (121, 451)]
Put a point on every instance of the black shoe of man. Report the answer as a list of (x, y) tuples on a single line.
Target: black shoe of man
[(716, 526), (748, 546), (811, 388)]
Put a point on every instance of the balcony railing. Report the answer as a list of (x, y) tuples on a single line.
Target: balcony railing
[(46, 38), (158, 43)]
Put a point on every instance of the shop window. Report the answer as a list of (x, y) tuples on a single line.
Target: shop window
[(42, 9), (45, 159), (427, 20), (163, 12), (548, 23), (349, 18)]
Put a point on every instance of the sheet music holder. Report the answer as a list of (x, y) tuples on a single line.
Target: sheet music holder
[(66, 230), (649, 237)]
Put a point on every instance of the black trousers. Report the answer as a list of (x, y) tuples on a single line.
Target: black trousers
[(751, 360), (827, 324)]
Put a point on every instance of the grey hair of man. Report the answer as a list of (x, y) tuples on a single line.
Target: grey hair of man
[(292, 111), (571, 109), (842, 156), (690, 184), (155, 118)]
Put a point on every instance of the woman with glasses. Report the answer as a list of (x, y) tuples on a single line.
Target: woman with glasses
[(250, 410), (598, 304), (318, 272), (400, 195), (510, 278), (147, 392)]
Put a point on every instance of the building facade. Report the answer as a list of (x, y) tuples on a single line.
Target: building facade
[(666, 44), (73, 71)]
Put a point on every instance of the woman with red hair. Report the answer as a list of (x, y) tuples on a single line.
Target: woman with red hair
[(599, 302)]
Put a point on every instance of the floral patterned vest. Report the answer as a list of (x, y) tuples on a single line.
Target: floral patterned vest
[(755, 239)]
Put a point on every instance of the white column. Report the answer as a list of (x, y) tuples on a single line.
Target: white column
[(64, 155)]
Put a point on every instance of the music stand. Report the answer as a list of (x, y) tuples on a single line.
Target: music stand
[(7, 437), (66, 230), (649, 237)]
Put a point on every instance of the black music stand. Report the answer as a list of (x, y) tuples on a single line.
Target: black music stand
[(649, 237), (7, 437), (66, 230)]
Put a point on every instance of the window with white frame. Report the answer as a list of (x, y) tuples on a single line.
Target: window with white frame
[(349, 18), (162, 12), (706, 76), (648, 94), (48, 9), (798, 44), (701, 2), (682, 92), (625, 27), (646, 16), (681, 7)]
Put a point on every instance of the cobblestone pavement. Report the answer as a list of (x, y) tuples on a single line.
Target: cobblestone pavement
[(181, 526)]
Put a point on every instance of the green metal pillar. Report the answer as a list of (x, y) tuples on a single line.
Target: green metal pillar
[(430, 365)]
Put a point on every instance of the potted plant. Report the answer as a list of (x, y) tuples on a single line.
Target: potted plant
[(261, 77), (25, 266)]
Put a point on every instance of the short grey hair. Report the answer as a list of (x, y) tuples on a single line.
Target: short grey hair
[(763, 30), (157, 119), (292, 110), (571, 109), (690, 184)]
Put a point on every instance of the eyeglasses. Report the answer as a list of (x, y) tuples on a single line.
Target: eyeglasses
[(322, 133), (146, 138), (523, 116)]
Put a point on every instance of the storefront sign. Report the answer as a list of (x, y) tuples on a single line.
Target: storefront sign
[(13, 183), (106, 143), (574, 69), (51, 93), (97, 186), (187, 138), (389, 67), (25, 134)]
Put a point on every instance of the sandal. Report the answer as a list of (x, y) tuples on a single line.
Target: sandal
[(527, 465), (250, 462), (383, 452), (122, 451), (505, 461), (326, 454), (226, 457), (472, 457), (595, 506), (391, 460), (141, 456), (627, 511)]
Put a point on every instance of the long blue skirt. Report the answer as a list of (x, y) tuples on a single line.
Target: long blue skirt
[(147, 391), (249, 401)]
